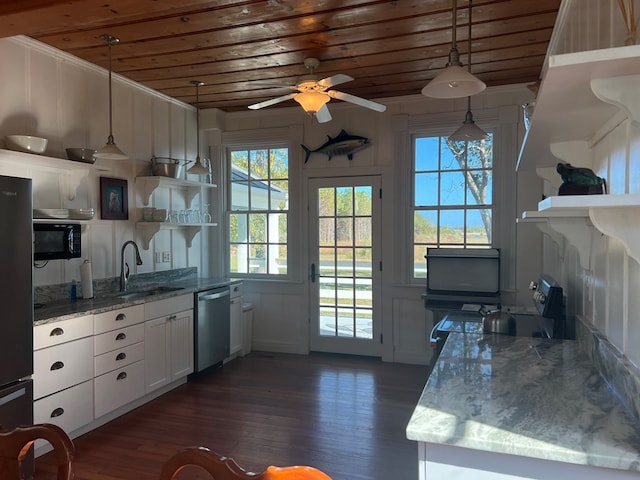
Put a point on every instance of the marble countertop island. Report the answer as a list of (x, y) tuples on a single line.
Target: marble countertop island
[(525, 396)]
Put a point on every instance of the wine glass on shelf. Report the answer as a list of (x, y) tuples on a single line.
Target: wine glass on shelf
[(206, 216)]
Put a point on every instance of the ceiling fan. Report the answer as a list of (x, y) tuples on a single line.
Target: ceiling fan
[(313, 94)]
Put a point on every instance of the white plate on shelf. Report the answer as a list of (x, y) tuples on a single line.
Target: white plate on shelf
[(57, 213)]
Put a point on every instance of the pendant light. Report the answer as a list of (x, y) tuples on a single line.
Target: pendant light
[(110, 151), (469, 131), (454, 81), (197, 168)]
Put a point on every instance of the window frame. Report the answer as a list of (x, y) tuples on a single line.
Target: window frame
[(503, 123), (270, 138)]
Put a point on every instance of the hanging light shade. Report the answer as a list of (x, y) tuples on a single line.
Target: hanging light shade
[(453, 81), (311, 101), (110, 151), (197, 168), (469, 131)]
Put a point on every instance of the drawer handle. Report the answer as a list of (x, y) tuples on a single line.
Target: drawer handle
[(121, 336), (57, 412), (57, 365), (172, 317), (121, 356), (122, 375), (121, 316), (56, 332)]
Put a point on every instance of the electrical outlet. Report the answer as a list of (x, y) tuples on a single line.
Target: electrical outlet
[(166, 256), (158, 257)]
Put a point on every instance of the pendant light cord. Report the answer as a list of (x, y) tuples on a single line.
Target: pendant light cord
[(469, 55), (109, 42)]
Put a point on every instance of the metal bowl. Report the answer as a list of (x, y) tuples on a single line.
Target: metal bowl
[(166, 167), (81, 155)]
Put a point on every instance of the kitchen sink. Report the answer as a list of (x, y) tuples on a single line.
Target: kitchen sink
[(147, 293)]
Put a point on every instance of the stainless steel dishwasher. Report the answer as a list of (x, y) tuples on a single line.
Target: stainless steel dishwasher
[(212, 327)]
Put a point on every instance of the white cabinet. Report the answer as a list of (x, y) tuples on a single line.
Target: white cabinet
[(236, 318), (119, 358), (63, 373), (168, 340)]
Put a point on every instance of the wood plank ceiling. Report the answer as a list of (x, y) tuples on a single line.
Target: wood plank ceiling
[(249, 51)]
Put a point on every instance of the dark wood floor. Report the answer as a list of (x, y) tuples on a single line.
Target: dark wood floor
[(344, 415)]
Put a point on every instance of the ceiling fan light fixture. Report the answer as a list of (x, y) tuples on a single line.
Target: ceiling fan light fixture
[(311, 101), (110, 151)]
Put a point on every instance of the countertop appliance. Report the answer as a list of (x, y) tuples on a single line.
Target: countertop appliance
[(549, 322), (458, 276), (212, 335), (16, 298), (54, 241)]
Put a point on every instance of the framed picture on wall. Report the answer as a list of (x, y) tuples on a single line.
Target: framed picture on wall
[(114, 204)]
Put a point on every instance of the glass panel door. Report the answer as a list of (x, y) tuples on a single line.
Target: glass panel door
[(345, 267)]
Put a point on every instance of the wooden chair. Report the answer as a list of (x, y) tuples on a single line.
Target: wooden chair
[(224, 468), (14, 447)]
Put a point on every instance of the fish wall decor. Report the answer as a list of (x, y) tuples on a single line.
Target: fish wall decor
[(341, 144)]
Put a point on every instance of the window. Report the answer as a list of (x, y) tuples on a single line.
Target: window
[(453, 195), (258, 210)]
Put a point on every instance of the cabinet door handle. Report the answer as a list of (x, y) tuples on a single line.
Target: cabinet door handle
[(121, 316), (56, 332), (57, 365), (122, 376), (57, 412), (121, 356), (121, 336)]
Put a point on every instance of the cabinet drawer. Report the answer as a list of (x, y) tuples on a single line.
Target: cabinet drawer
[(119, 358), (168, 306), (117, 388), (62, 366), (123, 317), (120, 338), (69, 409), (54, 333)]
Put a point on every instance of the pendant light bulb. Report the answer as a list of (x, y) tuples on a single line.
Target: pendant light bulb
[(454, 81), (197, 168), (110, 151)]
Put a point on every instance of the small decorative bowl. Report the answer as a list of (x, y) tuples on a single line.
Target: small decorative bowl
[(26, 143), (81, 155)]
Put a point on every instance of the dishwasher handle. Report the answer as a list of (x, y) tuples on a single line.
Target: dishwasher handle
[(213, 296)]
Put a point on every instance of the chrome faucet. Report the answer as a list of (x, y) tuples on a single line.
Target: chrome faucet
[(124, 274)]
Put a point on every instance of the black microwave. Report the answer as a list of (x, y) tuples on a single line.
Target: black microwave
[(52, 241)]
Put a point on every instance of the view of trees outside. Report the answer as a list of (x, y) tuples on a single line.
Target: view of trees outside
[(453, 195), (258, 218), (345, 261)]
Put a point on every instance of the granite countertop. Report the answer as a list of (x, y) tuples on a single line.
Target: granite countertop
[(525, 396), (65, 309)]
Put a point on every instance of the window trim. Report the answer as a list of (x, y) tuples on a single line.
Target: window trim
[(285, 137), (502, 122)]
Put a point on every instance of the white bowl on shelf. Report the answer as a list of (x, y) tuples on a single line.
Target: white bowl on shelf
[(26, 143)]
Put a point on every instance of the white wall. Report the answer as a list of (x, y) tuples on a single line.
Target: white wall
[(50, 94)]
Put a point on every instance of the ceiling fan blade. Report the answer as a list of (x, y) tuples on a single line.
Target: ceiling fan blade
[(334, 80), (323, 115), (363, 102), (273, 101)]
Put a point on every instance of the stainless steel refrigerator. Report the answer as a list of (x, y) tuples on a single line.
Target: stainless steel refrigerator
[(16, 303)]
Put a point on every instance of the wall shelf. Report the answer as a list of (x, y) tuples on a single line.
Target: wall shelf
[(574, 216), (149, 229), (149, 183), (580, 93), (73, 172)]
